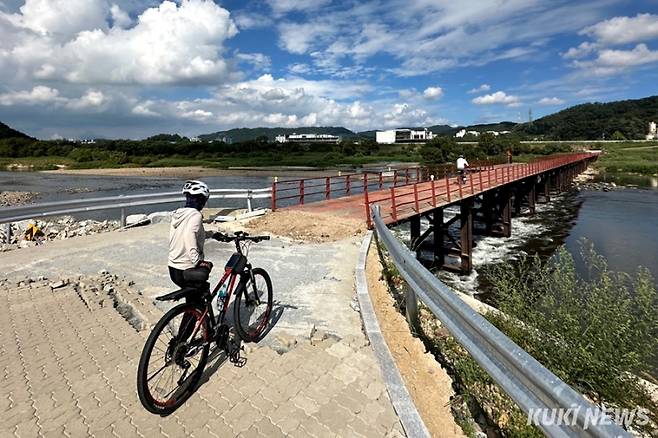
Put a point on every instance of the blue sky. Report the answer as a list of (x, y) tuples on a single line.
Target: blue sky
[(120, 68)]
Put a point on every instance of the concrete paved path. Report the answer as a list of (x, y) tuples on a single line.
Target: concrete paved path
[(69, 359), (313, 283)]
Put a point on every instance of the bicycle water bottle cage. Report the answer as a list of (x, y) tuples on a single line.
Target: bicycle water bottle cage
[(236, 263)]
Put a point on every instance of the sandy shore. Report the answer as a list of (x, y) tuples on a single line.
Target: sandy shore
[(195, 172)]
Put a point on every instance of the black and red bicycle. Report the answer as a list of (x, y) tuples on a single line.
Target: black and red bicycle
[(176, 351)]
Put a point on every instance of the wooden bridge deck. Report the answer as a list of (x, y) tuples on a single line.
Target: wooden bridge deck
[(400, 203)]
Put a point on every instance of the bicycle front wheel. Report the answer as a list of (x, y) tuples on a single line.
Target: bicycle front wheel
[(253, 306), (173, 359)]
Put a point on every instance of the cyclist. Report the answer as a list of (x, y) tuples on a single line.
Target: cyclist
[(462, 164), (187, 265)]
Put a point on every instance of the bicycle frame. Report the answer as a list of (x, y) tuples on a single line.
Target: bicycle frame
[(229, 275)]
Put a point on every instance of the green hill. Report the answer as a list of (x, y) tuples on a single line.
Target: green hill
[(245, 134), (7, 132), (595, 121)]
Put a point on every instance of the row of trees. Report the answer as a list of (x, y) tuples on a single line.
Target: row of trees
[(123, 151), (445, 149)]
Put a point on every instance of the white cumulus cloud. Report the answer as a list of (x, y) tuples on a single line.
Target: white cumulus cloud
[(171, 43), (499, 97), (550, 101), (433, 93), (481, 89), (623, 30)]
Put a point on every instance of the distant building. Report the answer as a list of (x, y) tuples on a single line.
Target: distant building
[(195, 139), (653, 134), (308, 138), (403, 136), (463, 133)]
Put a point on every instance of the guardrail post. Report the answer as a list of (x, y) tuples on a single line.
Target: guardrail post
[(394, 213), (417, 174), (347, 185), (406, 176), (327, 189), (366, 201), (381, 181), (249, 209), (448, 187), (411, 310), (276, 180), (395, 178), (123, 217), (7, 227), (301, 192)]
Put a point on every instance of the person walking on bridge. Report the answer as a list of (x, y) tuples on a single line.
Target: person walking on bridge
[(462, 165), (187, 264)]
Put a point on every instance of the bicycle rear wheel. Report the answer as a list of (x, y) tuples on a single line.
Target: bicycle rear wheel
[(173, 359), (253, 306)]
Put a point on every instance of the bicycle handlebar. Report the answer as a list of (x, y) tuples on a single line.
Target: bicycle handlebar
[(240, 236)]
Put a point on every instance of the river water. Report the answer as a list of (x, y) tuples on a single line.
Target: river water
[(621, 224)]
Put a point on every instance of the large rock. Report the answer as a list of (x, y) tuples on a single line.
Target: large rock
[(160, 217), (137, 219)]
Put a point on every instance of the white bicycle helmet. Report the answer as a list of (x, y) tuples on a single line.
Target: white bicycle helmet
[(196, 188)]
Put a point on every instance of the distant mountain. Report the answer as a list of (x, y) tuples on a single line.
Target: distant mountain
[(500, 126), (245, 134), (594, 121), (7, 132)]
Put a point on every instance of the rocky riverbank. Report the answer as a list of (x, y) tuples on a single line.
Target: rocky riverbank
[(62, 228), (11, 199)]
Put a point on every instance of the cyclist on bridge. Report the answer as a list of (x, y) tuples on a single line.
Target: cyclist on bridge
[(187, 266), (462, 164)]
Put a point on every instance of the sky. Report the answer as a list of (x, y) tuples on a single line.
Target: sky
[(134, 68)]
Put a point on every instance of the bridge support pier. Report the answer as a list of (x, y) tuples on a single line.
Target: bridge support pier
[(438, 232), (505, 205), (414, 240), (466, 235), (531, 197)]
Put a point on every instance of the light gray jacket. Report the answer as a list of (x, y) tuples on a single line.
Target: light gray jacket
[(186, 238)]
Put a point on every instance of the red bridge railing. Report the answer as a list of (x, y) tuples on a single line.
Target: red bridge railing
[(401, 202), (302, 191)]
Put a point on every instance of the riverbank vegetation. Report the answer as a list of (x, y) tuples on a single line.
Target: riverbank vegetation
[(177, 151), (597, 332), (166, 150)]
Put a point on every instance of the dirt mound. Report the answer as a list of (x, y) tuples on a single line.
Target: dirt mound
[(308, 227)]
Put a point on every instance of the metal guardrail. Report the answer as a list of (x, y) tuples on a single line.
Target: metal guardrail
[(59, 208), (531, 385)]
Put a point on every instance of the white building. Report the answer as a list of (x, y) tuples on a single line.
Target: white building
[(460, 134), (307, 138), (403, 136), (653, 134)]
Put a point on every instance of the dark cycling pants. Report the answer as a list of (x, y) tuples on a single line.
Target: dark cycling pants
[(181, 279)]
